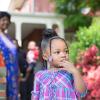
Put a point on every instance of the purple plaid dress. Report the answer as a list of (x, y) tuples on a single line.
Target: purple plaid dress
[(56, 85)]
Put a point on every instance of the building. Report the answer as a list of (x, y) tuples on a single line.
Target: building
[(31, 17)]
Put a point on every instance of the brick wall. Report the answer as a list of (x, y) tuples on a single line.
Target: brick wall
[(44, 6)]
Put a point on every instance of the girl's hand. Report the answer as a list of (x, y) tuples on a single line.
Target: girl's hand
[(68, 66)]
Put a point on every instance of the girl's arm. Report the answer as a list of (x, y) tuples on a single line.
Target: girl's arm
[(78, 81), (36, 91)]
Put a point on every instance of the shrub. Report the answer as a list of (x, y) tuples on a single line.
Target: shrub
[(85, 53), (86, 37), (89, 63)]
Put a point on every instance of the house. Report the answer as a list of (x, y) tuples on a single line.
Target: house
[(31, 17)]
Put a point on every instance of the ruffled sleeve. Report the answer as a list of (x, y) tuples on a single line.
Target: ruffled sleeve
[(81, 95)]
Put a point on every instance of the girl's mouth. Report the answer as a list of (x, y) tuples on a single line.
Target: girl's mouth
[(60, 67)]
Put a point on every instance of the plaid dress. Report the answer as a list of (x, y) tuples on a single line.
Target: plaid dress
[(56, 85)]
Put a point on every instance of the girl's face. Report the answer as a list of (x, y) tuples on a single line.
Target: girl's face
[(31, 45), (59, 52), (4, 23)]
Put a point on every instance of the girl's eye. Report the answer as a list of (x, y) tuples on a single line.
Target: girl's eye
[(67, 51), (57, 52)]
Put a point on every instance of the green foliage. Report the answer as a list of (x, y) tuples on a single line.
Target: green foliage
[(74, 48), (72, 10), (85, 38), (76, 20), (89, 36)]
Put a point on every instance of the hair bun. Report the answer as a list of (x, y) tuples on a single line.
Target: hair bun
[(47, 33)]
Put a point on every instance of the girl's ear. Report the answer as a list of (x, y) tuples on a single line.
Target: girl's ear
[(45, 56), (50, 59)]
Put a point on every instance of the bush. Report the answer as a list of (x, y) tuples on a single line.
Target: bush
[(85, 53), (89, 63), (86, 37), (89, 36)]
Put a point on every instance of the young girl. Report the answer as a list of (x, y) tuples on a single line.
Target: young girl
[(62, 81)]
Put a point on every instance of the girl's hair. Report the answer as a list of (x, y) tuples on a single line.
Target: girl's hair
[(5, 14), (47, 34)]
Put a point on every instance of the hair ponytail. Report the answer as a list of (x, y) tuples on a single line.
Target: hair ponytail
[(47, 34)]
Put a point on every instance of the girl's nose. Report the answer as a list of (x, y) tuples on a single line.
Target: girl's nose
[(63, 54)]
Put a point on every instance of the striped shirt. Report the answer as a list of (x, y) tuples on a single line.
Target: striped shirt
[(58, 85)]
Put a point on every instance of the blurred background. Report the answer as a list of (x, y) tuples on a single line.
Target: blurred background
[(78, 22)]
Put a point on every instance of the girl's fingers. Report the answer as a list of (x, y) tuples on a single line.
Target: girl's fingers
[(67, 65)]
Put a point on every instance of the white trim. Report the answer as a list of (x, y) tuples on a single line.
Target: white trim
[(37, 18), (18, 34)]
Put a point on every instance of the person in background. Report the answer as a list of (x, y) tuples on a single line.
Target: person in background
[(9, 53), (32, 57), (55, 28), (61, 80), (22, 67)]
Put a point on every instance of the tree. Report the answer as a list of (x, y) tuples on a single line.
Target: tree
[(72, 9)]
